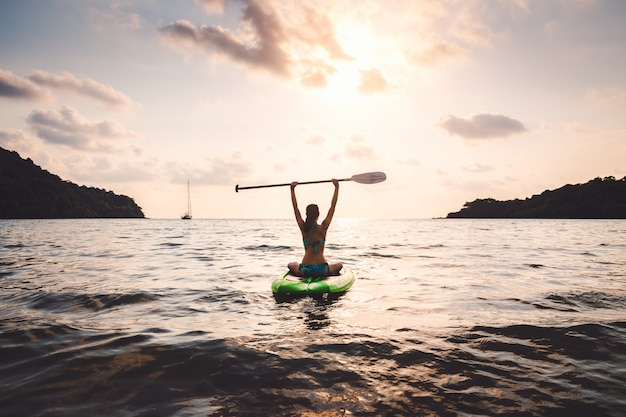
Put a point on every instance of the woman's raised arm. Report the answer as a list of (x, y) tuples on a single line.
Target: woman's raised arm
[(333, 204), (294, 202)]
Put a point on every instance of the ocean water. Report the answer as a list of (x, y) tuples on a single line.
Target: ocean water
[(446, 318)]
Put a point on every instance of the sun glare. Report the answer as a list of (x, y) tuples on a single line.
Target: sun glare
[(345, 82), (359, 43)]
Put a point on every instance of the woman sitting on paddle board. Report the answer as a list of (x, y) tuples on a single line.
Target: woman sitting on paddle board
[(314, 263)]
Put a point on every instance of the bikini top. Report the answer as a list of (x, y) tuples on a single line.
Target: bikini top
[(314, 244)]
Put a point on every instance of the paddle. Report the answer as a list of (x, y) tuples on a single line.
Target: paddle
[(367, 178)]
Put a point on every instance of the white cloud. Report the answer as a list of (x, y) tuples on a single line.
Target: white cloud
[(483, 126), (290, 40), (116, 17), (68, 127), (213, 6), (316, 140), (261, 48), (436, 52), (14, 86), (102, 169), (478, 168), (469, 29), (16, 140), (610, 95), (38, 85), (69, 83), (359, 150), (372, 81), (215, 171), (411, 162)]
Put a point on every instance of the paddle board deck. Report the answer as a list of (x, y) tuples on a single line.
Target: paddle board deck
[(287, 284)]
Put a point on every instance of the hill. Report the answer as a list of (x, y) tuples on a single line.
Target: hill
[(600, 198), (29, 192)]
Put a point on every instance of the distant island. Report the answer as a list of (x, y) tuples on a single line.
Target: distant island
[(30, 192), (600, 198)]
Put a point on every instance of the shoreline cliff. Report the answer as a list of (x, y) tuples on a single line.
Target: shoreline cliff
[(29, 192), (600, 198)]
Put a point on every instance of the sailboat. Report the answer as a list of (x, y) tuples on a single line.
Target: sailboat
[(187, 216)]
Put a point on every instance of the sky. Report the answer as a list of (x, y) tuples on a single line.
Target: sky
[(453, 99)]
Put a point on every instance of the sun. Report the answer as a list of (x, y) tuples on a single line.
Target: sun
[(357, 41), (344, 82)]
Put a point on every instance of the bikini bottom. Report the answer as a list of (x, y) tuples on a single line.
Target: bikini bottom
[(315, 270)]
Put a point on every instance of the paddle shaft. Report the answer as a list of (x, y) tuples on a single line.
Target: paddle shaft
[(237, 188)]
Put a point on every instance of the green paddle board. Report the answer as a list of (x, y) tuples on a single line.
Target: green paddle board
[(287, 284)]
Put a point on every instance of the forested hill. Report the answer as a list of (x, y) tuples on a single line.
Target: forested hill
[(600, 198), (29, 192)]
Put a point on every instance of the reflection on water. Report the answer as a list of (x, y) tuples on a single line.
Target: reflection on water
[(313, 309), (446, 317)]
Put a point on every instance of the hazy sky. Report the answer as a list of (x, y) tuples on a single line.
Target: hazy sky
[(453, 99)]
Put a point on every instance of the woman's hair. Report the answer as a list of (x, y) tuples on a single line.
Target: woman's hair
[(312, 213)]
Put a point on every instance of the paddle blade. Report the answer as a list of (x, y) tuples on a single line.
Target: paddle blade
[(369, 178)]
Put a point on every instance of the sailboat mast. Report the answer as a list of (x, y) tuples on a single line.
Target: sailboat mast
[(187, 216), (188, 200)]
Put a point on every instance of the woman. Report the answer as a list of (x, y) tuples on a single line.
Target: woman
[(314, 237)]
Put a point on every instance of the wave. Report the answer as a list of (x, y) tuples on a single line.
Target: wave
[(490, 371), (265, 248), (182, 323), (579, 301), (59, 302), (591, 299)]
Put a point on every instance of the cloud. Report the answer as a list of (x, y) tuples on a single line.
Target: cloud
[(15, 140), (478, 168), (437, 33), (115, 17), (38, 84), (69, 83), (609, 95), (67, 127), (213, 6), (102, 169), (215, 171), (436, 53), (306, 26), (358, 150), (372, 81), (578, 5), (14, 86), (483, 126), (316, 140), (258, 47), (315, 78), (314, 74), (288, 39), (411, 162), (468, 29)]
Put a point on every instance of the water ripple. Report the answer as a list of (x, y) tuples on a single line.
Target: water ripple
[(446, 318)]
